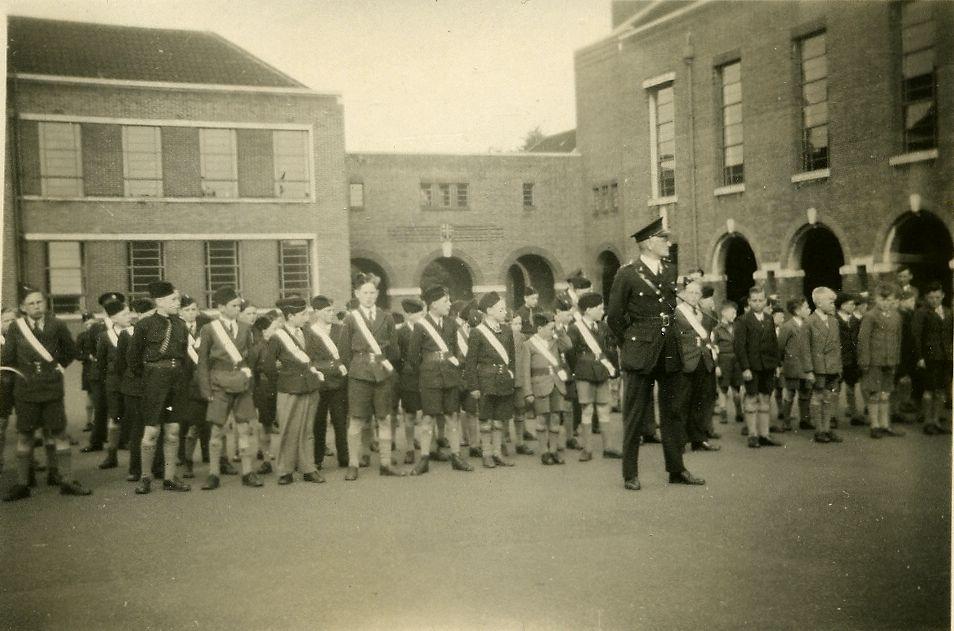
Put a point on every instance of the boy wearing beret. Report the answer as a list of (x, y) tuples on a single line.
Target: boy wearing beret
[(333, 391), (542, 377), (408, 381), (191, 406), (467, 317), (107, 349)]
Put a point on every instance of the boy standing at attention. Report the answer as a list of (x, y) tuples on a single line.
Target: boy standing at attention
[(879, 353), (821, 362)]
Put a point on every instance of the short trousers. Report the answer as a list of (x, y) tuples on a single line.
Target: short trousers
[(240, 404), (763, 382), (801, 386), (468, 403), (191, 411), (731, 376), (592, 392), (159, 392), (553, 403), (850, 374), (878, 379), (114, 404), (50, 416), (830, 383), (411, 401), (435, 401), (367, 398), (937, 374), (495, 407)]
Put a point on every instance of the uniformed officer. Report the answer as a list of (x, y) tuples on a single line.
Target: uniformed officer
[(641, 307), (39, 347), (156, 353)]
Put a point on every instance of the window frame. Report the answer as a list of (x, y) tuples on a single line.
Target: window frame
[(279, 178), (204, 156), (283, 288), (462, 194), (210, 286), (807, 162), (351, 196), (79, 296), (929, 80), (731, 175), (653, 91), (131, 273), (528, 201), (43, 129)]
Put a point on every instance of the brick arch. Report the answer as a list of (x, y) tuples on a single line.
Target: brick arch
[(358, 253), (551, 260), (792, 242), (476, 273), (606, 246), (718, 241)]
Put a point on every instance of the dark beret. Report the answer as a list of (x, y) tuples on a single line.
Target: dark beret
[(321, 302), (412, 305), (224, 295), (433, 294), (488, 300), (113, 307), (590, 300), (160, 289)]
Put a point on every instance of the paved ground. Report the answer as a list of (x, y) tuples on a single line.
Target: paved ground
[(847, 536)]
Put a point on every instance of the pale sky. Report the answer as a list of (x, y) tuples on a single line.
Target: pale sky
[(415, 75)]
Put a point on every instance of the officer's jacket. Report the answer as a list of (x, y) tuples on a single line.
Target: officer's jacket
[(408, 378), (356, 353), (693, 348), (326, 362), (756, 345), (587, 366), (148, 341), (723, 336), (849, 339), (293, 376), (879, 338), (536, 375), (131, 385), (485, 369), (789, 346), (640, 313), (821, 345), (216, 367), (932, 334), (42, 380), (106, 364), (434, 370)]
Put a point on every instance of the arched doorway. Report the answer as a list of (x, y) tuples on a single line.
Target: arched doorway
[(738, 264), (923, 243), (609, 265), (367, 266), (820, 255), (451, 272), (532, 270)]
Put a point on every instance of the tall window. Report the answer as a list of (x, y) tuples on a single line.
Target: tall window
[(221, 266), (814, 76), (597, 201), (64, 275), (730, 76), (356, 195), (426, 196), (292, 180), (528, 195), (919, 78), (145, 263), (663, 139), (218, 162), (142, 161), (61, 163), (445, 194), (614, 196), (462, 200), (294, 268)]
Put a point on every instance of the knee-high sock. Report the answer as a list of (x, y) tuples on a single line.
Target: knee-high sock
[(851, 404), (452, 429), (543, 436), (817, 412), (751, 410), (497, 437), (764, 417), (355, 430), (215, 450), (408, 432), (63, 461), (231, 442), (112, 436), (555, 440), (486, 442), (384, 441), (246, 452), (519, 427), (440, 422), (170, 448), (24, 464), (608, 429), (148, 450), (190, 441), (884, 411), (874, 412), (49, 448), (425, 433), (787, 400)]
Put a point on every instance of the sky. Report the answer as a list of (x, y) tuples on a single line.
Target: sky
[(414, 75)]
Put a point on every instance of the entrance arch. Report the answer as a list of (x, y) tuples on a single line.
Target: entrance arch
[(736, 260), (820, 256), (609, 264), (922, 242), (532, 270), (368, 266), (451, 272)]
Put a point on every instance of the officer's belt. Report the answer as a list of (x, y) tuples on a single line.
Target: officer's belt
[(165, 363)]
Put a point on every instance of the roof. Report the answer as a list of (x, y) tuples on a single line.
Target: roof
[(564, 142), (651, 12), (106, 51)]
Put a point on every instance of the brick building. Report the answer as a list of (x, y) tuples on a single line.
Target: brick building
[(843, 171), (165, 153)]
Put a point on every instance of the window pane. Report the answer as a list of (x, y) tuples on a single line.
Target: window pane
[(664, 113), (816, 114), (295, 267), (733, 155), (815, 69), (63, 254), (732, 135), (818, 138), (425, 194), (667, 150), (664, 95), (918, 36), (62, 187), (731, 73), (732, 114), (666, 132), (357, 195), (292, 179), (914, 12), (813, 46), (815, 92), (219, 178), (462, 196), (917, 64), (732, 93)]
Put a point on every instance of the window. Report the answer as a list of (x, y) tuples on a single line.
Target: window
[(614, 196), (814, 80), (292, 180), (294, 268), (221, 266), (918, 76), (597, 201), (730, 76), (142, 161), (218, 163), (356, 195), (528, 195), (663, 140), (61, 163), (64, 275), (426, 198), (445, 194), (145, 263), (605, 198), (461, 195)]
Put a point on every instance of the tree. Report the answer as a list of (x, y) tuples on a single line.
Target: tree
[(534, 136)]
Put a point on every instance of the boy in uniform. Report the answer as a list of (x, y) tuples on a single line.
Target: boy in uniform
[(932, 330), (530, 307), (821, 362), (848, 327), (131, 389), (107, 349), (467, 317), (577, 285), (333, 391), (756, 349), (489, 376), (432, 355), (542, 377), (408, 382), (697, 387), (879, 352), (794, 384), (192, 405), (727, 367)]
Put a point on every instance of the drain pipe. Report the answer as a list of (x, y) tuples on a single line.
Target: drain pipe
[(688, 56)]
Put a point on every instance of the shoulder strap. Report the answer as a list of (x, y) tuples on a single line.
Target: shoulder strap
[(32, 341), (493, 341), (292, 347), (694, 321), (441, 344), (226, 341), (326, 340), (366, 332), (543, 350), (190, 348), (594, 346), (462, 343), (112, 337)]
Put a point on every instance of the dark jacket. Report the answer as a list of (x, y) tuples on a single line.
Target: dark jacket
[(821, 345), (106, 364), (485, 369), (693, 347), (326, 362), (132, 383), (789, 346), (86, 352), (148, 341), (526, 319), (879, 339), (408, 379), (294, 376), (756, 345), (356, 353), (849, 340), (42, 380), (434, 371), (932, 335), (587, 366)]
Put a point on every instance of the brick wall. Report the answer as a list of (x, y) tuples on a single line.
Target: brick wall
[(102, 159)]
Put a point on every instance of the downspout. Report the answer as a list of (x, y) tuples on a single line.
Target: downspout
[(687, 58), (14, 138)]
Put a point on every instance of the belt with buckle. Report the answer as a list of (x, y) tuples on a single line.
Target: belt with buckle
[(165, 363), (439, 355)]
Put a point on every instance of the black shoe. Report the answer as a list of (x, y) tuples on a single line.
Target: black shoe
[(88, 449), (612, 453), (528, 436), (547, 458), (422, 466), (226, 468), (557, 458), (822, 437), (391, 472), (211, 483), (476, 452), (175, 484), (144, 487), (632, 485), (684, 477), (525, 450), (365, 460), (53, 478), (754, 442), (705, 446), (833, 437), (17, 492), (438, 456), (110, 462), (72, 487), (409, 457), (805, 425), (265, 468), (573, 443), (313, 477), (285, 479), (766, 441), (352, 474), (651, 438), (259, 455), (459, 464), (443, 443)]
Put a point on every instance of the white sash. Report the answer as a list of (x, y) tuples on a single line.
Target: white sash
[(594, 346), (32, 341), (226, 341), (694, 321), (112, 337), (492, 339), (369, 338), (462, 343), (441, 344), (553, 361), (292, 347), (330, 345), (190, 348)]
